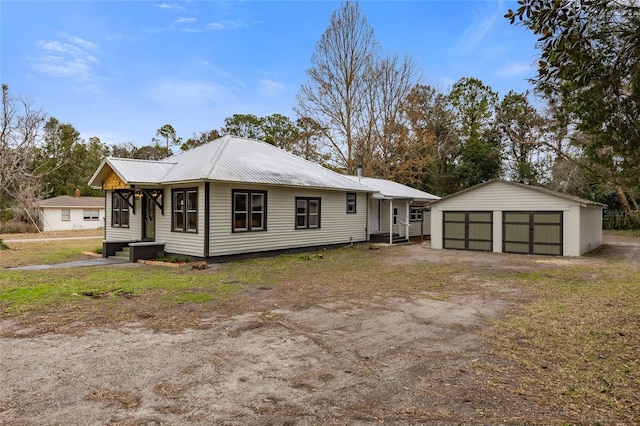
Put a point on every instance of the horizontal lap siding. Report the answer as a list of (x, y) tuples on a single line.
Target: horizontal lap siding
[(336, 226), (52, 219), (187, 243), (133, 232), (590, 228)]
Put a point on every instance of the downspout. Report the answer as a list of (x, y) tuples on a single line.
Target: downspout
[(406, 227), (390, 220), (207, 217)]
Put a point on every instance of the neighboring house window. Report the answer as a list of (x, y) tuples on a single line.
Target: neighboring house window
[(249, 210), (415, 214), (351, 202), (119, 211), (185, 210), (395, 215), (66, 215), (91, 214), (307, 213)]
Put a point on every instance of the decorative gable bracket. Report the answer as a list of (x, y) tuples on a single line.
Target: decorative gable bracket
[(127, 195), (157, 196)]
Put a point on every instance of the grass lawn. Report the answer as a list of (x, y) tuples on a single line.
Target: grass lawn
[(571, 343)]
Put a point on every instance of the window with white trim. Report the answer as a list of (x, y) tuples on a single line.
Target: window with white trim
[(90, 214), (415, 214), (65, 215), (351, 202)]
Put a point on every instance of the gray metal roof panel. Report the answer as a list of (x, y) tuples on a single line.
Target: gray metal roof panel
[(234, 159), (390, 189)]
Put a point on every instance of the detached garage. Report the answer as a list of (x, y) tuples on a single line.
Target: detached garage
[(510, 217)]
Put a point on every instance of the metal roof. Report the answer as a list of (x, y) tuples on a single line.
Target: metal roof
[(229, 159), (393, 190), (540, 189), (66, 201)]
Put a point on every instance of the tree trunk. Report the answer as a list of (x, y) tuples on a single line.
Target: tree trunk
[(624, 201)]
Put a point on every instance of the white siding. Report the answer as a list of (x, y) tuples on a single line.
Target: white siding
[(590, 228), (133, 232), (51, 219), (336, 226), (188, 243)]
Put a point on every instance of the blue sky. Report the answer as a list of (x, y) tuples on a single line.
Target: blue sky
[(119, 70)]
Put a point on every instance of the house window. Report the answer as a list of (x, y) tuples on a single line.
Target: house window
[(395, 215), (415, 214), (185, 210), (249, 210), (351, 202), (66, 215), (119, 211), (307, 213), (90, 214)]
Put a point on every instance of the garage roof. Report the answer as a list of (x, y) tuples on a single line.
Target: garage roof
[(569, 197)]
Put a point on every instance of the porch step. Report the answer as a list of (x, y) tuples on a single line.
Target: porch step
[(384, 238), (123, 254)]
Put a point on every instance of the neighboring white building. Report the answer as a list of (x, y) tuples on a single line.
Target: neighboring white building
[(510, 217), (69, 213)]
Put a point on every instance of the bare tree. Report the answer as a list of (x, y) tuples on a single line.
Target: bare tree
[(334, 96), (21, 126)]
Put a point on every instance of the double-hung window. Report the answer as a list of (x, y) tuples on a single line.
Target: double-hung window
[(415, 214), (351, 202), (66, 215), (119, 211), (249, 210), (307, 212), (90, 214), (185, 210)]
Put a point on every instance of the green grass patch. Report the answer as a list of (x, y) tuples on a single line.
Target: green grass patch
[(578, 343)]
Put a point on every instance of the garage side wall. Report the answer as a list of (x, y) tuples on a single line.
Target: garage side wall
[(590, 229)]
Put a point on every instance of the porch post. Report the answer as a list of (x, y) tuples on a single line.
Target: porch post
[(390, 221), (406, 227)]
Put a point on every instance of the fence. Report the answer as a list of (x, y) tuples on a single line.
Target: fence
[(619, 219)]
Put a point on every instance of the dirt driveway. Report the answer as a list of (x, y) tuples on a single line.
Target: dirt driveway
[(336, 362)]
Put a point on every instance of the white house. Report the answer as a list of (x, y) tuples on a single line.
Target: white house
[(69, 213), (510, 217), (227, 197)]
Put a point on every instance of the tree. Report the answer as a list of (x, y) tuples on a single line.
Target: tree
[(167, 134), (473, 105), (20, 181), (279, 130), (56, 158), (521, 131), (431, 125), (309, 143), (348, 93), (201, 139), (590, 69), (244, 126)]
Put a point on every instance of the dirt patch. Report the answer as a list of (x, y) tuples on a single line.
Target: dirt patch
[(265, 358)]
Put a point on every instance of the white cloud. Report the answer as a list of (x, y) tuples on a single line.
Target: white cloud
[(270, 87), (476, 31), (190, 93), (70, 56), (184, 20), (515, 69)]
